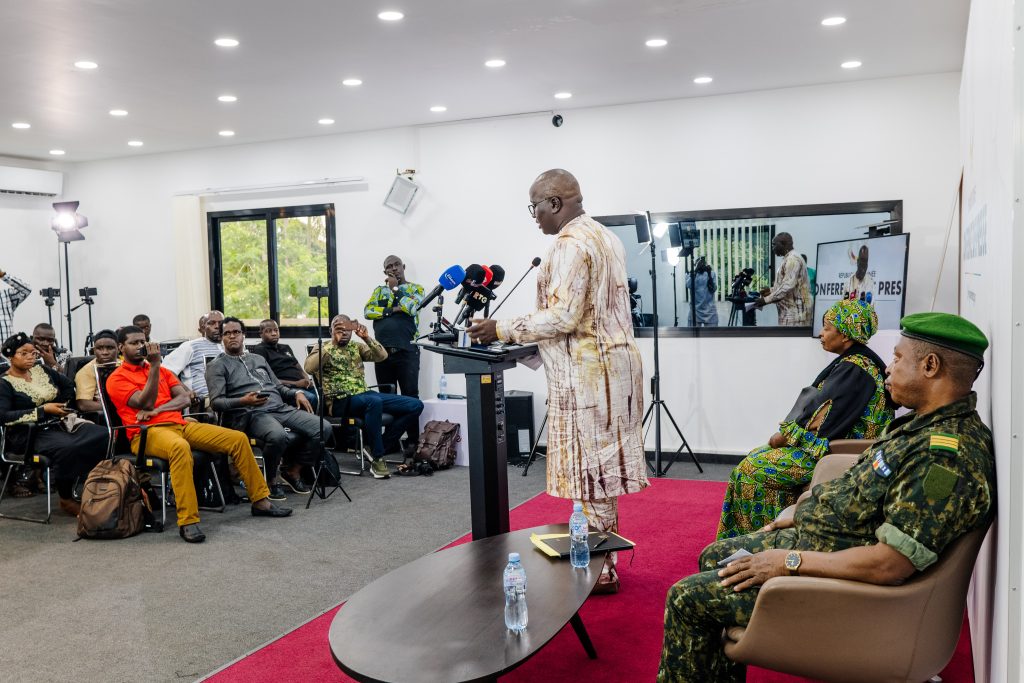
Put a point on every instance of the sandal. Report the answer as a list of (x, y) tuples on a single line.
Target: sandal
[(406, 470), (19, 490)]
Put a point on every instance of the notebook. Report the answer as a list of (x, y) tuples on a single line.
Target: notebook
[(557, 545)]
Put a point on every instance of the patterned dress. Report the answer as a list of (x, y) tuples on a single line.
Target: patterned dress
[(847, 400), (792, 292)]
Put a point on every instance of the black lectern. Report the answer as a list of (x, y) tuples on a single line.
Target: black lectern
[(484, 369)]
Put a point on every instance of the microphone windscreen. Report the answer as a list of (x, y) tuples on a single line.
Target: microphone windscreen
[(452, 278), (474, 273), (536, 261), (498, 276), (488, 276)]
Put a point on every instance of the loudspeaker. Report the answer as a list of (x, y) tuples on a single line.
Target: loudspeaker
[(643, 229), (519, 425)]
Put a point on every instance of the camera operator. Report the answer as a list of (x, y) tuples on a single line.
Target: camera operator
[(702, 283)]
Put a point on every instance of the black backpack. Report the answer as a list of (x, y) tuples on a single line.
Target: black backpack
[(437, 444)]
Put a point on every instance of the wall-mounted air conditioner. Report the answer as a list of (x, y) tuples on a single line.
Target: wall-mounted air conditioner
[(14, 180)]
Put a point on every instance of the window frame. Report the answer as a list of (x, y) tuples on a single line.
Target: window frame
[(269, 215)]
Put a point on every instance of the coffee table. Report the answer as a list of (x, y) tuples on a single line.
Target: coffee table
[(442, 617)]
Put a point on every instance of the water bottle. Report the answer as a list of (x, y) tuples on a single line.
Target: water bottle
[(515, 595), (442, 387), (579, 548)]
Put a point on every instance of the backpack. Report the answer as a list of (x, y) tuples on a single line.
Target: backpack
[(112, 502), (437, 444)]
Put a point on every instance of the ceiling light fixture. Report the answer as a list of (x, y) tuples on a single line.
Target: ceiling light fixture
[(438, 108), (226, 42), (227, 98), (351, 82), (833, 21), (656, 42), (852, 64), (703, 80), (21, 125), (226, 133), (390, 15), (57, 152), (563, 95), (325, 122), (135, 143), (86, 65), (118, 112), (494, 63)]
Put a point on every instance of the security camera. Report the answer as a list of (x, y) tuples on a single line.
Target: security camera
[(557, 120)]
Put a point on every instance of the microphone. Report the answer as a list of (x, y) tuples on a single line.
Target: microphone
[(449, 280), (533, 264), (476, 299), (475, 276), (497, 276)]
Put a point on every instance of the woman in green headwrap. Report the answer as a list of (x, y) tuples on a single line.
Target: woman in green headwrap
[(847, 400)]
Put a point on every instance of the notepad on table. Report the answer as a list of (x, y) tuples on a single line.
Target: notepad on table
[(557, 545)]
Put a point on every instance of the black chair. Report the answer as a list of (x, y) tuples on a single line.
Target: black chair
[(120, 448), (74, 364), (28, 458), (351, 426)]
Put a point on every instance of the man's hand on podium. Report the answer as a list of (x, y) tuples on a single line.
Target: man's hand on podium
[(483, 331)]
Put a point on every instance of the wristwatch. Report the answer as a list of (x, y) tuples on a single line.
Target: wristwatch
[(793, 560)]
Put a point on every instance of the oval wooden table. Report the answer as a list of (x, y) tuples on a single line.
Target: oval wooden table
[(442, 617)]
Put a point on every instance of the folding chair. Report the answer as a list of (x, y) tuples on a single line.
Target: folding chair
[(26, 459)]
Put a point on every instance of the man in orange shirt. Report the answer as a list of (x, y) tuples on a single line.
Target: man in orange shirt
[(142, 391)]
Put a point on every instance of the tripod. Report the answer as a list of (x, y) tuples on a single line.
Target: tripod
[(323, 473), (87, 294), (657, 404), (49, 294)]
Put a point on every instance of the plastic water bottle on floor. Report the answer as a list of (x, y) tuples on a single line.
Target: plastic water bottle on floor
[(579, 548), (515, 595), (442, 387)]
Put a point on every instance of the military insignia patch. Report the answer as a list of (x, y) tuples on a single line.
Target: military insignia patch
[(944, 442), (939, 482), (880, 466)]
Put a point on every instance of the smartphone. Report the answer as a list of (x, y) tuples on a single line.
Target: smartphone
[(350, 326), (262, 394)]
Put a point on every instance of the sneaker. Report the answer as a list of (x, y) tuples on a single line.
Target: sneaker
[(277, 492), (379, 469), (295, 483)]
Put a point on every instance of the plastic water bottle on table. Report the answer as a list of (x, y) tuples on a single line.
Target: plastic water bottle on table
[(516, 616), (579, 548)]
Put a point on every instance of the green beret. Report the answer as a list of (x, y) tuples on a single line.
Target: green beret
[(946, 330)]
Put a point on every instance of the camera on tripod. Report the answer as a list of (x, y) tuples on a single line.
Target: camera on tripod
[(50, 293), (741, 281), (740, 298), (88, 291), (319, 292)]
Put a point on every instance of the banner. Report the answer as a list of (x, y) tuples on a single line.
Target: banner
[(870, 266)]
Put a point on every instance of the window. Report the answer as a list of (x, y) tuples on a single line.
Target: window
[(263, 262)]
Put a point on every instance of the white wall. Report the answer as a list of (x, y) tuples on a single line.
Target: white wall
[(886, 139)]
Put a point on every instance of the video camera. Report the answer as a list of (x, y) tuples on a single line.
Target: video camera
[(741, 281)]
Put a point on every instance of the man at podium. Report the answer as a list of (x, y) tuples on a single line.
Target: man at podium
[(584, 331)]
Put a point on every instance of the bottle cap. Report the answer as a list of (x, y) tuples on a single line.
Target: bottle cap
[(513, 557), (577, 507)]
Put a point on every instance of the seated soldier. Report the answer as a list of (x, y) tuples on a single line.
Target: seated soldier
[(87, 394), (929, 479), (282, 361), (144, 391), (345, 378), (247, 392)]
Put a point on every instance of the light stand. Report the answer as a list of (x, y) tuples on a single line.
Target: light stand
[(643, 223), (67, 223), (322, 471)]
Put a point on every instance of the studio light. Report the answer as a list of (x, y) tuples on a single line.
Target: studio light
[(67, 222), (659, 230)]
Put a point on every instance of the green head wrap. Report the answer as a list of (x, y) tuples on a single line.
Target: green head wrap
[(856, 320)]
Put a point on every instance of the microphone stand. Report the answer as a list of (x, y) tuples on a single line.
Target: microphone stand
[(534, 264)]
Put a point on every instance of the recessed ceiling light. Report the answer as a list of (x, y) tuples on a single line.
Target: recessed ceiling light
[(351, 82), (118, 112), (325, 122), (227, 98), (390, 15), (21, 125), (656, 42), (563, 95), (226, 133), (135, 143), (703, 80), (495, 63), (833, 21), (226, 42), (57, 152), (87, 65), (438, 108), (852, 64)]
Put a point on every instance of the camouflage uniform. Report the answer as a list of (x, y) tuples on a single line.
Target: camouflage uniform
[(343, 366), (928, 480)]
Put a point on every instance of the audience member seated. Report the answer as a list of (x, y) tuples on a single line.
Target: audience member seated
[(924, 483), (142, 391), (188, 361), (282, 361), (143, 322), (345, 378), (34, 394), (45, 339), (246, 391), (846, 400), (87, 394)]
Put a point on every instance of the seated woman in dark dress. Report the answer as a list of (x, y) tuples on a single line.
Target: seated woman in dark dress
[(847, 400), (34, 394)]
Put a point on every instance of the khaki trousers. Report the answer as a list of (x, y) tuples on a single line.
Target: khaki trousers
[(175, 443)]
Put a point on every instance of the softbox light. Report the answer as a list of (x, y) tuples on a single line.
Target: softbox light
[(67, 222)]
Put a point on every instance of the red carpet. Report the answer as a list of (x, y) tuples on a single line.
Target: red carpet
[(671, 522)]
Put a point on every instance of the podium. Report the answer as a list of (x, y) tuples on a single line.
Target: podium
[(484, 369)]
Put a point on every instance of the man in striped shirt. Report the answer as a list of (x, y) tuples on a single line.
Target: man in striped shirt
[(10, 297)]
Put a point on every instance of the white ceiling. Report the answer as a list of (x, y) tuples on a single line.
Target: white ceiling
[(157, 60)]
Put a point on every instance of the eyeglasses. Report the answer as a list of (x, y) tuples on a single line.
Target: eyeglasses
[(532, 208), (28, 352)]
